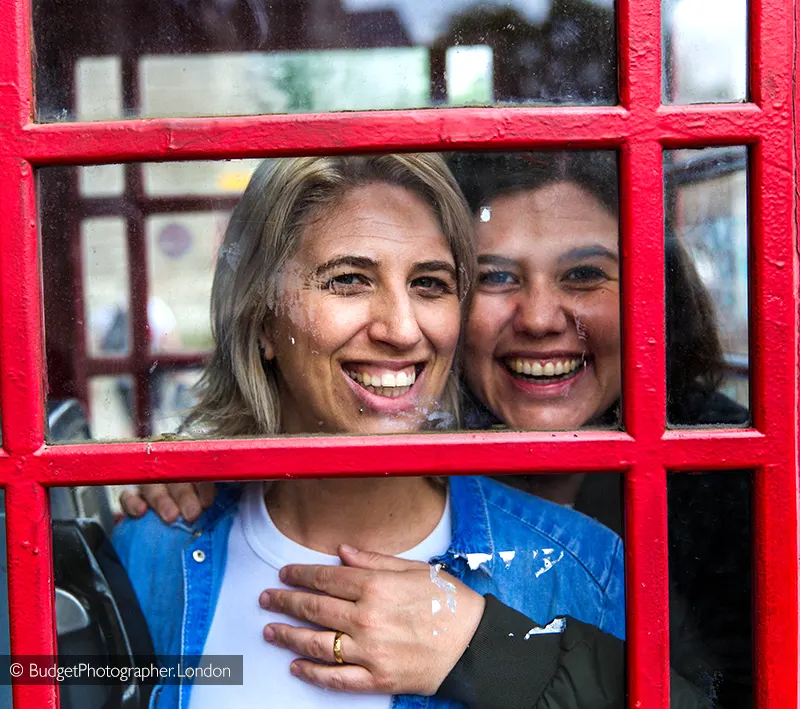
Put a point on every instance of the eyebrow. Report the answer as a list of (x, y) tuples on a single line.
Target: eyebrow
[(355, 261), (581, 252), (428, 266), (497, 260), (364, 262)]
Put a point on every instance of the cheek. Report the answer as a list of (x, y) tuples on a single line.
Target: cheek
[(442, 327), (330, 324), (597, 320), (484, 325)]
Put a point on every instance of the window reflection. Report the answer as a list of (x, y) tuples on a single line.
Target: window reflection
[(237, 58), (544, 357), (707, 327), (705, 51), (710, 566)]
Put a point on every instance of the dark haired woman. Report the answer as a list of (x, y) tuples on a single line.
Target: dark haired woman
[(543, 353)]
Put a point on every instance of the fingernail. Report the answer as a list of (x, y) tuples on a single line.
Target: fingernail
[(192, 511), (347, 549), (269, 634), (283, 574), (263, 600), (294, 669)]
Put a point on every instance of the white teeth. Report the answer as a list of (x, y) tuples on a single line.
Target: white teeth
[(389, 384), (387, 380), (548, 369)]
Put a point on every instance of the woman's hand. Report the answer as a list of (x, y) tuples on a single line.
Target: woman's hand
[(405, 623), (168, 501)]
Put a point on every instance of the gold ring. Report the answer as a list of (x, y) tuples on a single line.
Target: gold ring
[(337, 647)]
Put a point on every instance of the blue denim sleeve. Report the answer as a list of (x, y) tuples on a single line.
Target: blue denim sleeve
[(613, 618)]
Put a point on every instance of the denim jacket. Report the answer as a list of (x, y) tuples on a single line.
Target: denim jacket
[(538, 557)]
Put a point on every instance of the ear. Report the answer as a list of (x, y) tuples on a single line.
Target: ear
[(267, 346)]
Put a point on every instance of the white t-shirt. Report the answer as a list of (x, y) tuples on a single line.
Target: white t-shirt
[(256, 552)]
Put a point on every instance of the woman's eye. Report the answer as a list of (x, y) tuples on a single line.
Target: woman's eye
[(497, 278), (583, 275), (346, 282), (430, 285)]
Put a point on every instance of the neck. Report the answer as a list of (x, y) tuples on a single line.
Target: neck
[(562, 489), (387, 515)]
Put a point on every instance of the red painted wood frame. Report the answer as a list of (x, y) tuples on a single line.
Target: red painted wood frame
[(640, 127)]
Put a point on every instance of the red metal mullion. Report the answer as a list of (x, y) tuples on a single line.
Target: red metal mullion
[(30, 585), (349, 456), (21, 351), (773, 346), (323, 134), (644, 368)]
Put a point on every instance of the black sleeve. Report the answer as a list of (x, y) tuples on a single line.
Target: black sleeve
[(508, 665)]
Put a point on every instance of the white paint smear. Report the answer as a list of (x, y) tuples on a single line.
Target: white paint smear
[(475, 560), (508, 557), (558, 625)]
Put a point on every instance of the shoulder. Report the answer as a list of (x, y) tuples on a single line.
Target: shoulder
[(701, 407), (517, 517)]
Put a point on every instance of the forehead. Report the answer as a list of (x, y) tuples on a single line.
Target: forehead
[(559, 213), (375, 220)]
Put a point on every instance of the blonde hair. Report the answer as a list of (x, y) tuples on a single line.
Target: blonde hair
[(238, 389)]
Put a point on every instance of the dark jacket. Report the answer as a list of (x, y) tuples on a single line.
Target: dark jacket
[(710, 602)]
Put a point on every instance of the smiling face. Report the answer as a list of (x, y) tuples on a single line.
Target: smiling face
[(543, 338), (368, 317)]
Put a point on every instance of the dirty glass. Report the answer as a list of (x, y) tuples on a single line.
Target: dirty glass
[(707, 287), (711, 596), (150, 59), (542, 560), (704, 51), (542, 347)]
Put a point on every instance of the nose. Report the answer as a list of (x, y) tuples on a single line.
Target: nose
[(541, 311), (394, 321)]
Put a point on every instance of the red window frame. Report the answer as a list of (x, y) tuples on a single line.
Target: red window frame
[(640, 128)]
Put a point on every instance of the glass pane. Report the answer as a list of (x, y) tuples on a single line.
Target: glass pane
[(111, 408), (711, 600), (705, 51), (182, 250), (104, 252), (542, 339), (320, 55), (707, 287), (173, 394), (542, 562)]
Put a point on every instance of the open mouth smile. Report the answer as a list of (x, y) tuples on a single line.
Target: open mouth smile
[(547, 371), (382, 381)]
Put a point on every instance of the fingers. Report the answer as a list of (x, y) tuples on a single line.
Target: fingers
[(184, 499), (377, 562), (338, 581), (340, 678), (206, 492), (187, 499), (314, 644), (132, 503), (321, 610), (160, 501)]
